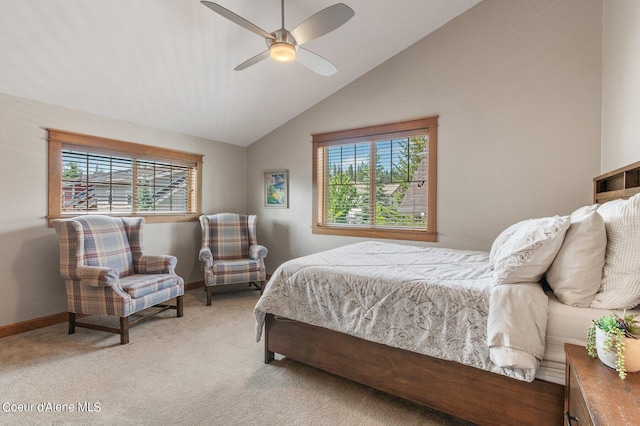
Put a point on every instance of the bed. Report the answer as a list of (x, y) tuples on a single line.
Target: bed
[(448, 328)]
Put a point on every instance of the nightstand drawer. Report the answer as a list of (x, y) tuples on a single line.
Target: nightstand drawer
[(595, 395), (577, 412)]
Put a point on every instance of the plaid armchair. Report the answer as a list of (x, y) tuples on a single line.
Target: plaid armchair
[(229, 253), (105, 272)]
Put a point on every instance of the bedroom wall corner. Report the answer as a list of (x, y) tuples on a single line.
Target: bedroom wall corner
[(517, 86), (620, 84)]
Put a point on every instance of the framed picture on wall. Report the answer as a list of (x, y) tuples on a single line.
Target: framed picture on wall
[(276, 188)]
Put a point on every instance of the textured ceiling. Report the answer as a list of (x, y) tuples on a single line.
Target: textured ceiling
[(169, 63)]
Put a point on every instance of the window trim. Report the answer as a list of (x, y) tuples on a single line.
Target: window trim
[(376, 133), (61, 139)]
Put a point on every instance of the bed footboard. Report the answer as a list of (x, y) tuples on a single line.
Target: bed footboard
[(462, 391)]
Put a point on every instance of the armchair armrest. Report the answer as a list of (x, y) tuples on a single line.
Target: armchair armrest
[(205, 256), (97, 276), (148, 264), (256, 251)]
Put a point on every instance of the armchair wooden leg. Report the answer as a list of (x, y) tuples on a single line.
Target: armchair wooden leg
[(179, 306), (208, 296), (72, 322), (124, 330)]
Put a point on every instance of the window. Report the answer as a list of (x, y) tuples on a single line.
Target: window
[(93, 175), (377, 182)]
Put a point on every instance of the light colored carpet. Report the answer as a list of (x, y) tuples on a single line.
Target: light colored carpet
[(202, 369)]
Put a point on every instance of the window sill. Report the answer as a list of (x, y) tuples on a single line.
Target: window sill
[(156, 218), (395, 234)]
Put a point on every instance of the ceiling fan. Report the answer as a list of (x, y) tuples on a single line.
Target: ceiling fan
[(284, 45)]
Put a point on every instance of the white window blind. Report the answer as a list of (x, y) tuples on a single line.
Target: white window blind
[(100, 183), (93, 175)]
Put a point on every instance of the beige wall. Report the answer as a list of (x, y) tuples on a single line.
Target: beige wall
[(518, 89), (620, 84), (517, 86), (30, 283)]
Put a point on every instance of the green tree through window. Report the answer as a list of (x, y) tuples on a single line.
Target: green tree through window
[(376, 182)]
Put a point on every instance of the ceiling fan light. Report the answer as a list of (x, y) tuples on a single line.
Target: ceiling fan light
[(282, 52)]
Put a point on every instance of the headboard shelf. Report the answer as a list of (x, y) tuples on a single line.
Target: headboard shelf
[(620, 183)]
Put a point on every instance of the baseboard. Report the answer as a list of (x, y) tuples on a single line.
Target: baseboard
[(21, 327), (191, 286), (33, 324)]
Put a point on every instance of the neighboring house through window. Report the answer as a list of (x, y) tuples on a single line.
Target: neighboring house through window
[(93, 175), (377, 182)]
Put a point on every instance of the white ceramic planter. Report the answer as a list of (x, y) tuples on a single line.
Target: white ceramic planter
[(631, 352)]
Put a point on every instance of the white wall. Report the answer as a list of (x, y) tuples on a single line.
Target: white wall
[(30, 282), (517, 86), (620, 84)]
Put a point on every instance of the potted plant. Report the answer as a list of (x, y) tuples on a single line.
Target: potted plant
[(616, 341)]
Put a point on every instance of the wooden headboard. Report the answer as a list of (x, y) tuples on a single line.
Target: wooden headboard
[(621, 183)]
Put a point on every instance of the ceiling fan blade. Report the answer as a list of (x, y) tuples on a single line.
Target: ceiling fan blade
[(321, 23), (252, 61), (315, 62), (237, 19)]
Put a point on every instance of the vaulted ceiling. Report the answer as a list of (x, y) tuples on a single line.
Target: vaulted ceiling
[(169, 63)]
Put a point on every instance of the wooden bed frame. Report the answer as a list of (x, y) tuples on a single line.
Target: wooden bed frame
[(462, 391)]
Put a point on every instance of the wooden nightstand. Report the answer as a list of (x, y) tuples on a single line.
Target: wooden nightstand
[(595, 395)]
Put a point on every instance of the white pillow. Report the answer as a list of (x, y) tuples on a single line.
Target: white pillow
[(620, 288), (607, 209), (524, 251), (583, 211), (576, 273)]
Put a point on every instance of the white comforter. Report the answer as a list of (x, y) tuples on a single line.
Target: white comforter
[(438, 302)]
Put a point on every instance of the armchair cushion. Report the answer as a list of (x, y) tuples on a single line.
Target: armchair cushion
[(239, 266), (142, 285)]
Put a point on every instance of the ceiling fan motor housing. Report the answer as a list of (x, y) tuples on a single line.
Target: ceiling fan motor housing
[(283, 48)]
